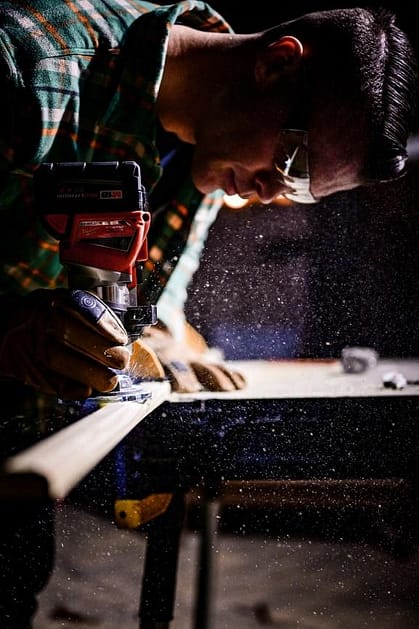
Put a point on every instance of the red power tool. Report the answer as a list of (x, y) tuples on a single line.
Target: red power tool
[(98, 212)]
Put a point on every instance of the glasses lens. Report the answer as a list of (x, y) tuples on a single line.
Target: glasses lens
[(291, 164)]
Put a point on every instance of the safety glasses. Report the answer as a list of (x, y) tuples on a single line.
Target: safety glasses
[(291, 165)]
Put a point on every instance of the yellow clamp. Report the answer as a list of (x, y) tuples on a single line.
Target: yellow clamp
[(131, 514)]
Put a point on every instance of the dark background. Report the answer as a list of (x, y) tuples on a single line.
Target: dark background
[(307, 281)]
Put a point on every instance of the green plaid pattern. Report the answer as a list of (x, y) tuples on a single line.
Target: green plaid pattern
[(78, 82)]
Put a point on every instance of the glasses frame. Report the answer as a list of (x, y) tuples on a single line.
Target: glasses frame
[(297, 124)]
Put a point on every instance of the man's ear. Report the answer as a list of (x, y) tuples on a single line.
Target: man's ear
[(277, 58)]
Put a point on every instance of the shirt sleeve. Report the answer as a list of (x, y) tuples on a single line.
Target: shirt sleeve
[(170, 306)]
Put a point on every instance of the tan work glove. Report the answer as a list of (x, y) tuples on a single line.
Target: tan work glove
[(188, 365), (62, 342)]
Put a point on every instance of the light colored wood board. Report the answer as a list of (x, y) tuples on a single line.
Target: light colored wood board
[(65, 457), (296, 379)]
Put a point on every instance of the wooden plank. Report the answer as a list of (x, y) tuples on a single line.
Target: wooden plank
[(308, 379), (369, 492), (54, 466)]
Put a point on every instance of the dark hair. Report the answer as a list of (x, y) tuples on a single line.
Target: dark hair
[(377, 59), (389, 79)]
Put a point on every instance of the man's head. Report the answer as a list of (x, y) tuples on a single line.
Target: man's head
[(360, 89), (346, 77)]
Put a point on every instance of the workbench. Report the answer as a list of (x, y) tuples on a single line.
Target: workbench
[(58, 461), (301, 432)]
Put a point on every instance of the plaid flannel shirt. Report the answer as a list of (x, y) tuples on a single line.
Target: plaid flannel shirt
[(79, 81)]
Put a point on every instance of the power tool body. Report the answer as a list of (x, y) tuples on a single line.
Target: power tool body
[(98, 212)]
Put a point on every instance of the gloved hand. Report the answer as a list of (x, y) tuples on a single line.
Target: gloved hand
[(62, 342), (188, 365)]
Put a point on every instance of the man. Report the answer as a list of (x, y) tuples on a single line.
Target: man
[(304, 109)]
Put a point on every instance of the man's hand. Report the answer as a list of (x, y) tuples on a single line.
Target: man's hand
[(62, 342), (188, 365)]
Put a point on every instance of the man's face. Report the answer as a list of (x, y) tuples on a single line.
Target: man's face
[(244, 152)]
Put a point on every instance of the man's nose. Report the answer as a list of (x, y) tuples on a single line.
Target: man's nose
[(269, 188)]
